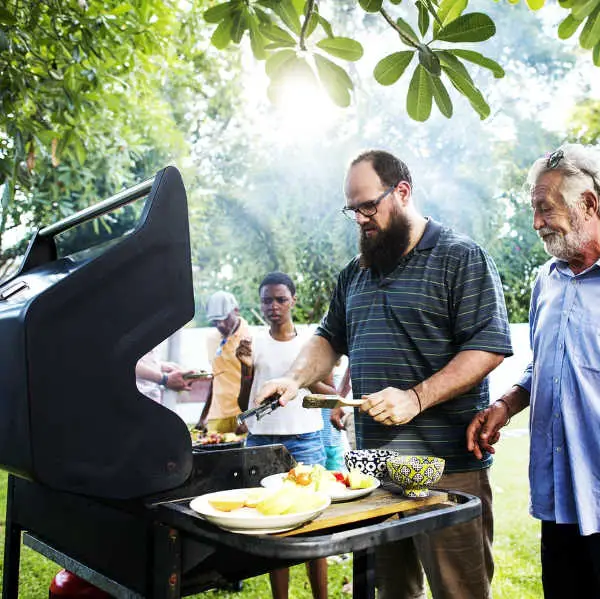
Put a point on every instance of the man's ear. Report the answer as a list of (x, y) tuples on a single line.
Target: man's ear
[(591, 203), (405, 191)]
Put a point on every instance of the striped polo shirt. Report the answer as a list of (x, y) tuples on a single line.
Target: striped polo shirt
[(444, 297)]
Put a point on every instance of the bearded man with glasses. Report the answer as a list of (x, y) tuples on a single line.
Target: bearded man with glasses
[(562, 384), (421, 315)]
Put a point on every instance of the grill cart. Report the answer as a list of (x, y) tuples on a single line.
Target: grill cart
[(101, 477)]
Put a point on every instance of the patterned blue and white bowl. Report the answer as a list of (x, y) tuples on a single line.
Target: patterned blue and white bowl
[(415, 473), (369, 461)]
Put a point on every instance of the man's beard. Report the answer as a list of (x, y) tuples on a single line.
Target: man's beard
[(383, 250), (565, 247)]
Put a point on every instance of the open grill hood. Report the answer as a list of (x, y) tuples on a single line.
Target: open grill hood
[(71, 332)]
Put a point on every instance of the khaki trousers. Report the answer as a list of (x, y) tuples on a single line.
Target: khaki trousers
[(457, 560)]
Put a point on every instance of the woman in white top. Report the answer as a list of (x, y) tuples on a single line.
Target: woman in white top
[(269, 356)]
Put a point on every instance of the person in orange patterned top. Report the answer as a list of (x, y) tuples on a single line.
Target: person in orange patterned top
[(221, 407)]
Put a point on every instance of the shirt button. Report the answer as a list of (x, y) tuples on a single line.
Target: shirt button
[(558, 449), (560, 346), (556, 380), (557, 415)]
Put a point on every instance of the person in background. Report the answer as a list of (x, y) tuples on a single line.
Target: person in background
[(420, 313), (153, 375), (221, 407), (343, 418), (332, 434), (562, 383), (297, 428)]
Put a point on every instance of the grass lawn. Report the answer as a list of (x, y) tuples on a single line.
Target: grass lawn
[(516, 544)]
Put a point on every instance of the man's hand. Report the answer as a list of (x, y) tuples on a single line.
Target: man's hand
[(176, 382), (241, 429), (484, 430), (243, 352), (336, 418), (285, 386), (391, 406), (201, 426)]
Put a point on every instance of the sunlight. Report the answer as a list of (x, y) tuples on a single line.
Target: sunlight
[(303, 109)]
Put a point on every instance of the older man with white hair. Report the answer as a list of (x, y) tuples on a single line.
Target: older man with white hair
[(562, 384)]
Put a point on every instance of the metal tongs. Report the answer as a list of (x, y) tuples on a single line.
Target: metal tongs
[(266, 407)]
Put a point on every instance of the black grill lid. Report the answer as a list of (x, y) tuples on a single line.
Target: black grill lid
[(71, 332)]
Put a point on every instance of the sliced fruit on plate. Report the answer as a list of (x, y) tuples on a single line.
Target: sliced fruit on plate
[(358, 480), (255, 496), (228, 503)]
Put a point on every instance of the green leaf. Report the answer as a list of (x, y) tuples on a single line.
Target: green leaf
[(596, 55), (335, 80), (79, 149), (467, 88), (566, 3), (239, 24), (448, 11), (472, 27), (582, 8), (590, 34), (371, 5), (257, 41), (326, 26), (407, 35), (429, 60), (423, 17), (389, 69), (313, 22), (6, 17), (341, 47), (277, 61), (450, 61), (218, 13), (441, 97), (222, 35), (121, 9), (535, 4), (420, 95), (481, 60), (286, 11), (4, 43), (277, 34), (568, 27)]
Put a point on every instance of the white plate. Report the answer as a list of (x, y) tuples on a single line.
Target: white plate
[(337, 494), (250, 519)]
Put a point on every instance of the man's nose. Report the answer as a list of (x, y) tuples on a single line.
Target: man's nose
[(361, 219), (538, 221)]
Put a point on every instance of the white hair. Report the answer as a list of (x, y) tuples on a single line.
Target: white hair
[(579, 165)]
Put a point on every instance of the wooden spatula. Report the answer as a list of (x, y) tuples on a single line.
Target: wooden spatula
[(319, 400)]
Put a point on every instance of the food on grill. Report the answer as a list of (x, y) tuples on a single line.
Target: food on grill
[(197, 375), (201, 438), (319, 479)]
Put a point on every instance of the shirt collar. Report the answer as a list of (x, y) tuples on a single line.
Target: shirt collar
[(430, 237)]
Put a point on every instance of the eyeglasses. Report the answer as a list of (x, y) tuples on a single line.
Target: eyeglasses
[(369, 208), (556, 157), (267, 301)]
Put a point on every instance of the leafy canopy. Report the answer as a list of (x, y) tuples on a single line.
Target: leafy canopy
[(297, 42)]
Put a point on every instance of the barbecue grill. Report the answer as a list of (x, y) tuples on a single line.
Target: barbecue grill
[(100, 477)]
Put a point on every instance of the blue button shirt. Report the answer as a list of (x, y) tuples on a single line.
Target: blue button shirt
[(564, 382)]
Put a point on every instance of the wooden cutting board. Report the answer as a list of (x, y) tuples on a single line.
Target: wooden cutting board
[(380, 502)]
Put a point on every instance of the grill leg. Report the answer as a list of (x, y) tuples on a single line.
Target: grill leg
[(166, 570), (363, 574), (12, 547)]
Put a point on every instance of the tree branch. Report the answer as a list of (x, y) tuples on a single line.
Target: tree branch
[(310, 9), (395, 27)]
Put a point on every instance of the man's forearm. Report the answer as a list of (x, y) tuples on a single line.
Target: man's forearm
[(314, 363), (516, 399), (463, 372)]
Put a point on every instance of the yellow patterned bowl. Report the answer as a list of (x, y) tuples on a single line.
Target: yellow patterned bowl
[(415, 473)]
